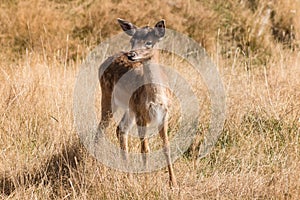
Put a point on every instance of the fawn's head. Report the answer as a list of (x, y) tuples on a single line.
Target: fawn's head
[(145, 37)]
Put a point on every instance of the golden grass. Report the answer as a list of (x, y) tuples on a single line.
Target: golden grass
[(258, 154)]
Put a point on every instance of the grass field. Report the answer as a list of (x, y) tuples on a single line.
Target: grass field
[(255, 45)]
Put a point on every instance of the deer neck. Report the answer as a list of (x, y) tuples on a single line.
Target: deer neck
[(155, 81), (152, 70)]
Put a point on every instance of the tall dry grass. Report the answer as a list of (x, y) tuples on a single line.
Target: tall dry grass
[(256, 47)]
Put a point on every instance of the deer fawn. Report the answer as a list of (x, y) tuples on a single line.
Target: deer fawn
[(149, 103)]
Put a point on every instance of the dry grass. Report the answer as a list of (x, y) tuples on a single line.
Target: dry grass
[(258, 154)]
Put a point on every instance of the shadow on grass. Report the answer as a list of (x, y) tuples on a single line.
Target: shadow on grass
[(55, 172)]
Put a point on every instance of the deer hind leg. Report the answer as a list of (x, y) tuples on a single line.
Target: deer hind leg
[(166, 147), (106, 106), (106, 112), (122, 132)]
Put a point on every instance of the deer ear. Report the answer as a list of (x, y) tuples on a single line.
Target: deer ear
[(160, 28), (127, 27)]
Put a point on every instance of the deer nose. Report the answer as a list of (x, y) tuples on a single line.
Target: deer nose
[(131, 54)]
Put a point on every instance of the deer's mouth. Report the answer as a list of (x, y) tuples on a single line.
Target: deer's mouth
[(132, 55), (139, 55)]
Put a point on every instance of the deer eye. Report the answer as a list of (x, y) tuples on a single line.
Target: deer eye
[(148, 43)]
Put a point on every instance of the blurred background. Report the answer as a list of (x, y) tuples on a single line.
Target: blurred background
[(253, 26)]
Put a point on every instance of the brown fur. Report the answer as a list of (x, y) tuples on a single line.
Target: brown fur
[(148, 103)]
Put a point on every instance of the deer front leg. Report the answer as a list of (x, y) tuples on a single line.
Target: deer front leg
[(144, 142), (122, 132), (166, 147)]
